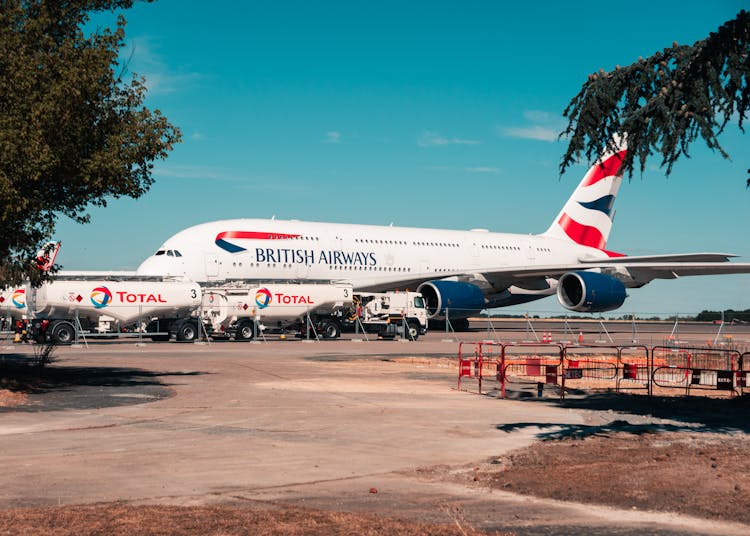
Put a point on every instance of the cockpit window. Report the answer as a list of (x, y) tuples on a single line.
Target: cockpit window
[(177, 253), (170, 253), (160, 252)]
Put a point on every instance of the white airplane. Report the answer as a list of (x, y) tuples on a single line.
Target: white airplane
[(458, 272)]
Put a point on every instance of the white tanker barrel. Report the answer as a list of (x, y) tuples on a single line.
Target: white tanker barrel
[(126, 301), (13, 302), (274, 302)]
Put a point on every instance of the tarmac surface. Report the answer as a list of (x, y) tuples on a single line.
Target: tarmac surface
[(319, 424)]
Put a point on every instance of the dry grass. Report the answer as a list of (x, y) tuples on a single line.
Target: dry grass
[(700, 474), (120, 519)]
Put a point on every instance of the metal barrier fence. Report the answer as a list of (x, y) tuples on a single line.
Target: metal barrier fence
[(531, 363), (743, 374), (695, 368), (610, 367)]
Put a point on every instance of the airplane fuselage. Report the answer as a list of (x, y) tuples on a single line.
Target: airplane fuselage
[(370, 257)]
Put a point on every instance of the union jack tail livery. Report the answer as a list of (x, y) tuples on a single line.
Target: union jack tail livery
[(586, 218)]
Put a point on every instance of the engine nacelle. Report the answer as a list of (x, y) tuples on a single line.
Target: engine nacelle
[(590, 292), (461, 299)]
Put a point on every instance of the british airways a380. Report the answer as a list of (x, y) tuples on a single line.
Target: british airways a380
[(462, 272)]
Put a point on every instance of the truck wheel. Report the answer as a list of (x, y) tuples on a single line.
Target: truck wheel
[(187, 331), (63, 333), (414, 328), (330, 329), (244, 331)]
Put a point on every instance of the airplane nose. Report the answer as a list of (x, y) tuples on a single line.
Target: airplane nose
[(152, 266)]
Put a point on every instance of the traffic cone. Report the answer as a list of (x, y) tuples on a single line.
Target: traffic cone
[(580, 337)]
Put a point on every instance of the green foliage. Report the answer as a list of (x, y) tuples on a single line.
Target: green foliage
[(665, 102), (73, 132), (730, 316)]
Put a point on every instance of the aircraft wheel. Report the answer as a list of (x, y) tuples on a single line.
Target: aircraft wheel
[(460, 324)]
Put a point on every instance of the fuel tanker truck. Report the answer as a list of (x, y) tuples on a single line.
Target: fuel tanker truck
[(241, 309), (61, 306), (165, 308)]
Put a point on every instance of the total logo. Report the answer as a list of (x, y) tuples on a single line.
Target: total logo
[(101, 297), (263, 298), (19, 298)]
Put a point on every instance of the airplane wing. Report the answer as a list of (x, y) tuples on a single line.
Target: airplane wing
[(633, 272), (675, 257)]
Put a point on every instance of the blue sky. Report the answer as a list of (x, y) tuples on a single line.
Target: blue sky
[(430, 114)]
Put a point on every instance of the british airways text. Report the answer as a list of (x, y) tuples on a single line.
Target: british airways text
[(308, 256)]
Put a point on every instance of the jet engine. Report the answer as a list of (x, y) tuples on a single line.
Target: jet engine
[(461, 299), (590, 292)]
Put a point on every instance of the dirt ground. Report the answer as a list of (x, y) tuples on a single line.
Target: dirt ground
[(700, 469), (699, 474)]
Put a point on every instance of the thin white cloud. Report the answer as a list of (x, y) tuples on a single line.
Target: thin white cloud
[(483, 169), (198, 172), (241, 182), (140, 56), (429, 138), (333, 136), (539, 116), (531, 133), (544, 127)]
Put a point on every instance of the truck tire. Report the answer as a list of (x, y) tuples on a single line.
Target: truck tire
[(244, 331), (329, 329), (62, 332), (187, 331), (413, 328)]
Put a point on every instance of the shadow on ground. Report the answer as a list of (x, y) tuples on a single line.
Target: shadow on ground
[(695, 414), (53, 388)]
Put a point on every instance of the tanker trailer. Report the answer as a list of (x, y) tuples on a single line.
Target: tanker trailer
[(13, 302), (236, 309), (61, 304)]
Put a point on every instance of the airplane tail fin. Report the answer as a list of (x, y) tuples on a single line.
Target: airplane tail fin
[(45, 258), (586, 218)]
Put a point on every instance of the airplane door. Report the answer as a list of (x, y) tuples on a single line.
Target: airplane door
[(530, 252), (212, 266)]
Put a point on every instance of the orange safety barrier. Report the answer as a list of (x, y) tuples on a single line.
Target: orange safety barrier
[(743, 373), (695, 368), (630, 367), (531, 362), (475, 365), (634, 366)]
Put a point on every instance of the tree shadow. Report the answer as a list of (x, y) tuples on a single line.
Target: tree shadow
[(553, 431), (696, 413), (63, 387)]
